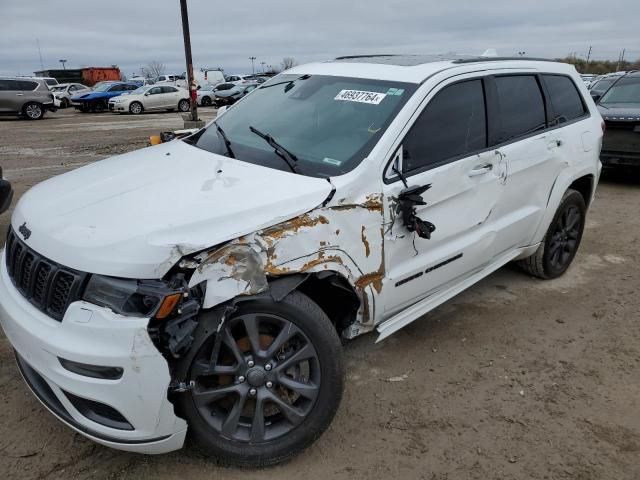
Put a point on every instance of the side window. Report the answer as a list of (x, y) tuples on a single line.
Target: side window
[(116, 88), (26, 85), (520, 106), (565, 98), (5, 85), (155, 91), (452, 124), (168, 90)]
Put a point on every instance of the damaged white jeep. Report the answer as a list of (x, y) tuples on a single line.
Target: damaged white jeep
[(202, 286)]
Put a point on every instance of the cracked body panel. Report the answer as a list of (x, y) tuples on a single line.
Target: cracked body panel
[(313, 242)]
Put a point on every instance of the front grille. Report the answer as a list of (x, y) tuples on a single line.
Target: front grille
[(49, 286)]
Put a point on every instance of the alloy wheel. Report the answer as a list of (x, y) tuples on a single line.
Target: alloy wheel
[(260, 383), (564, 239), (33, 111)]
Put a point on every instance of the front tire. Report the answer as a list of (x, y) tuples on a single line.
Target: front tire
[(33, 111), (98, 106), (274, 387), (206, 101), (136, 108), (65, 103), (184, 105), (561, 242)]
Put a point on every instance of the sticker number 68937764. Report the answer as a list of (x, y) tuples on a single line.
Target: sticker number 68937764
[(360, 96)]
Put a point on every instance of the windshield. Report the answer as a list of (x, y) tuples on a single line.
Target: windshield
[(602, 85), (57, 88), (329, 123), (103, 87), (626, 90)]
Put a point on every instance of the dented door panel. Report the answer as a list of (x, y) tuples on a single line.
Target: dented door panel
[(461, 205)]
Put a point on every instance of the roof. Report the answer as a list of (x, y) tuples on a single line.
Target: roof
[(417, 68)]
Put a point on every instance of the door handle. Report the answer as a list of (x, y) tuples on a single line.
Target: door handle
[(481, 169), (19, 94)]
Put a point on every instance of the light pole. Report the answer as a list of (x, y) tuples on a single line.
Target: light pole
[(63, 61), (263, 64), (253, 71)]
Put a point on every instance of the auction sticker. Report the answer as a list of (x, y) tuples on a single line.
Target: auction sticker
[(360, 96)]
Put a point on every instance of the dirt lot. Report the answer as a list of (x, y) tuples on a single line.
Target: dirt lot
[(516, 378)]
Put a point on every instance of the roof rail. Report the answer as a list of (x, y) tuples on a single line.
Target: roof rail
[(500, 59), (349, 57)]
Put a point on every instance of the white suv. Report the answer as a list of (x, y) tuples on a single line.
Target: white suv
[(204, 284)]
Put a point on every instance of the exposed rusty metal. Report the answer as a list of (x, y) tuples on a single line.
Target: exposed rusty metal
[(367, 249)]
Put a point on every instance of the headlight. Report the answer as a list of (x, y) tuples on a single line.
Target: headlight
[(134, 298)]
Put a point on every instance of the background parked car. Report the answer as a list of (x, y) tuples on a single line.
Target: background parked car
[(64, 91), (239, 79), (600, 86), (206, 95), (177, 80), (26, 97), (620, 108), (206, 77), (151, 97), (97, 100), (232, 95)]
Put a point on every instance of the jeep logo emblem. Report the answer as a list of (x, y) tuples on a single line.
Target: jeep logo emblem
[(26, 233)]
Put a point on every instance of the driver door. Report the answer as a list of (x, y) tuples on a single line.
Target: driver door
[(445, 148), (153, 99)]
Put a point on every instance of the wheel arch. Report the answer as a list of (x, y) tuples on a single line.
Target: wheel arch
[(583, 181)]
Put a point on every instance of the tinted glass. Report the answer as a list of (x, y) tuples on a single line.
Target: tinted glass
[(601, 85), (330, 123), (155, 90), (169, 89), (27, 85), (452, 124), (565, 98), (626, 90), (116, 88), (521, 106), (7, 85)]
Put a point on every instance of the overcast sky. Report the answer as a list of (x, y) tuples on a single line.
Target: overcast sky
[(131, 33)]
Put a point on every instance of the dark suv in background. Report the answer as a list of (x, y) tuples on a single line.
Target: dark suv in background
[(26, 97), (620, 108)]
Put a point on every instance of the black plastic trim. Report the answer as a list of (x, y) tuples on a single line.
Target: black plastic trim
[(93, 371), (43, 392)]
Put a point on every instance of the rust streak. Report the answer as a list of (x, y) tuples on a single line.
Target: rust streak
[(374, 279), (292, 226), (367, 250)]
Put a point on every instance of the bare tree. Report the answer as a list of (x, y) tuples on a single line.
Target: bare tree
[(288, 62), (154, 69)]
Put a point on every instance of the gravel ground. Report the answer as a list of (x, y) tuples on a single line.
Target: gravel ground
[(515, 378)]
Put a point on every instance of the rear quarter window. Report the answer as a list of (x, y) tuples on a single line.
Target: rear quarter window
[(27, 85), (566, 101)]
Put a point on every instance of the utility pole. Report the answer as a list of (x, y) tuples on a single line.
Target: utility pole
[(253, 71), (263, 64), (40, 54), (589, 55), (193, 121), (621, 59), (63, 61)]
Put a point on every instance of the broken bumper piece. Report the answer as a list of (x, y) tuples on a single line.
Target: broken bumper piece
[(111, 388)]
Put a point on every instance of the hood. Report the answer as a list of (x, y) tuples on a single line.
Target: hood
[(135, 215), (93, 95), (226, 93), (620, 112)]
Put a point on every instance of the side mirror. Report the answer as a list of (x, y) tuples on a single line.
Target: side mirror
[(596, 96), (146, 94)]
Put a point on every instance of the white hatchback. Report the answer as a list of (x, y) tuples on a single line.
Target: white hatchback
[(205, 283), (150, 98)]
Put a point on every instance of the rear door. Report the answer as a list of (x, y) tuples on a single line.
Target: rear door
[(446, 148), (519, 129), (10, 96)]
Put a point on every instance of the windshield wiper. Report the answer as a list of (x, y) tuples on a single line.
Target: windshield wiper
[(282, 152), (227, 142), (288, 83)]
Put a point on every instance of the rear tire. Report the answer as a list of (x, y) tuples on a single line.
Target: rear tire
[(33, 111), (184, 105), (560, 244), (65, 103), (274, 387)]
